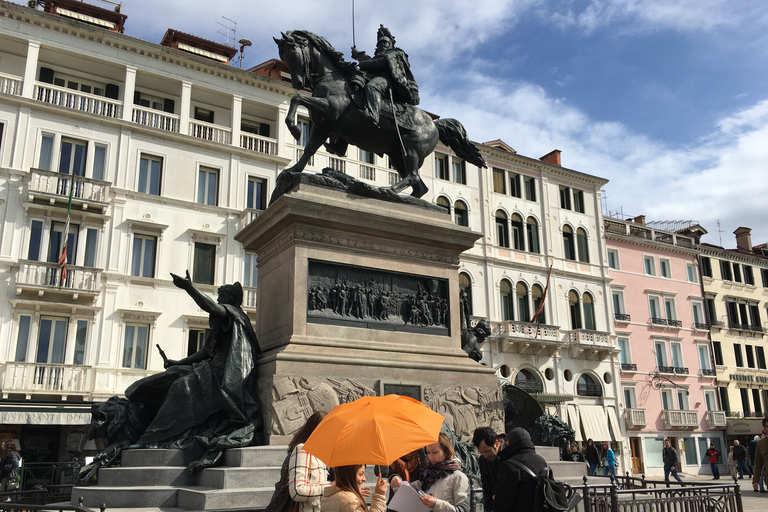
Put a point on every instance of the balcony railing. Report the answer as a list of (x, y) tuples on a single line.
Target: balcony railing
[(635, 418), (682, 370), (155, 119), (716, 419), (583, 336), (247, 216), (715, 323), (629, 367), (708, 372), (208, 131), (666, 369), (393, 178), (338, 165), (680, 419), (249, 297), (258, 144), (76, 100), (700, 326), (674, 323), (46, 378), (48, 275), (367, 172), (10, 85), (300, 153), (658, 321), (526, 330), (622, 317), (589, 389), (57, 184)]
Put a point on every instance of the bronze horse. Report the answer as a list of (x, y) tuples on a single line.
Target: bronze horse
[(334, 110)]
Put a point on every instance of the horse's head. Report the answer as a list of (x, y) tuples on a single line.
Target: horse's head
[(294, 51)]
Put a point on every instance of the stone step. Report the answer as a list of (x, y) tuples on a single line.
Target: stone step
[(256, 456), (563, 469), (238, 477), (126, 497), (201, 498), (154, 457), (142, 476), (549, 453)]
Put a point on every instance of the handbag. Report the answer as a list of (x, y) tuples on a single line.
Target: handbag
[(281, 500)]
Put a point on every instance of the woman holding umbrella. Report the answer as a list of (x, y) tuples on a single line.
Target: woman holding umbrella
[(345, 494), (444, 487)]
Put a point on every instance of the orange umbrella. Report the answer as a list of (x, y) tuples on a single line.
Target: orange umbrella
[(373, 430)]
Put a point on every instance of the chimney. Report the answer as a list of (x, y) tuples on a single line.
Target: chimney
[(553, 157), (743, 239), (640, 219)]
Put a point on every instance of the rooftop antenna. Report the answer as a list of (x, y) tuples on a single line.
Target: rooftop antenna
[(228, 30), (243, 44), (353, 22), (719, 232)]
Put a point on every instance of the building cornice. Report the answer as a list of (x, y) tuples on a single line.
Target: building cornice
[(644, 242), (741, 257)]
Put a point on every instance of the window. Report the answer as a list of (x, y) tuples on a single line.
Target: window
[(156, 103), (91, 235), (459, 171), (499, 183), (514, 185), (578, 201), (465, 285), (630, 398), (252, 126), (72, 157), (150, 169), (724, 402), (196, 340), (706, 266), (56, 241), (565, 198), (760, 356), (732, 310), (22, 338), (207, 186), (705, 363), (135, 346), (49, 76), (756, 402), (736, 272), (143, 260), (537, 294), (367, 157), (587, 386), (624, 356), (710, 400), (613, 259), (523, 309), (256, 194), (204, 265), (46, 152), (754, 318), (676, 349), (506, 300), (306, 128), (718, 350), (204, 114), (80, 339), (745, 401), (528, 382), (530, 188), (460, 214), (575, 312), (669, 309), (749, 275), (581, 243), (618, 302), (661, 354), (533, 235), (664, 269), (764, 274), (737, 355), (698, 315), (51, 340), (667, 402), (749, 350), (725, 270), (682, 399), (690, 269), (709, 305), (589, 312), (250, 271), (441, 167), (502, 230), (444, 202), (35, 240), (518, 236), (649, 264), (569, 249), (654, 306)]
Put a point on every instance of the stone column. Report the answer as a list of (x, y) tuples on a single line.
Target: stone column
[(186, 105), (130, 87), (30, 69), (237, 114)]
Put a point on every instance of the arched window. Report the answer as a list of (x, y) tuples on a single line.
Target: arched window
[(537, 294), (589, 311), (465, 285), (502, 230), (444, 202), (533, 235), (573, 305), (587, 386), (517, 232), (523, 310), (528, 381), (581, 243), (569, 250), (506, 300), (461, 215)]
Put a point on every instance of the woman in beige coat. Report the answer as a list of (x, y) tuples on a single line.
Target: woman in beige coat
[(345, 494), (731, 463)]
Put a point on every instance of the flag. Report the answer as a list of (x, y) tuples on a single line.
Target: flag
[(543, 296), (63, 256)]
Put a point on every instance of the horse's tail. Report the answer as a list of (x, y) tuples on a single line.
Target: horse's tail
[(454, 135)]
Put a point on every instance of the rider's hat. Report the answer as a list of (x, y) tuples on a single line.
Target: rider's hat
[(384, 33)]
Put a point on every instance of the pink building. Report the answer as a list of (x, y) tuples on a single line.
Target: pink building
[(667, 375)]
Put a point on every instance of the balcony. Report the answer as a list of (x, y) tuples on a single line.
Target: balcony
[(10, 84), (76, 100), (367, 172), (700, 326), (29, 378), (249, 298), (247, 216), (708, 372), (716, 420), (393, 178), (155, 119), (666, 369), (664, 322), (622, 317), (675, 323), (635, 418), (590, 344), (629, 367), (54, 186), (338, 165), (258, 144), (43, 277), (525, 337), (211, 132), (658, 321), (681, 420), (680, 370)]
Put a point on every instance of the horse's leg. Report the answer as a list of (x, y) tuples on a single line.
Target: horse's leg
[(316, 139), (290, 117), (408, 168)]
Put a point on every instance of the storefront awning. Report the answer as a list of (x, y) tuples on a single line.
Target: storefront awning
[(613, 419), (595, 423), (743, 426), (574, 421)]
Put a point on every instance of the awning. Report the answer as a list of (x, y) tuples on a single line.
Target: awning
[(743, 426), (615, 425), (594, 423), (574, 421)]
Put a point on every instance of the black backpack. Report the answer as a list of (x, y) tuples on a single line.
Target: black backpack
[(550, 495)]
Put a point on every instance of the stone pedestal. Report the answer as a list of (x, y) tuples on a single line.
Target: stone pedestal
[(394, 329)]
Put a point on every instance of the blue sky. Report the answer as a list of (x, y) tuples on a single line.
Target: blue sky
[(668, 99)]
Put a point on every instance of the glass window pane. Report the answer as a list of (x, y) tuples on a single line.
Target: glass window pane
[(138, 244), (154, 182), (201, 187), (90, 248), (59, 342), (65, 157), (99, 161), (78, 160), (211, 199), (23, 338), (35, 239), (143, 175), (130, 332), (141, 346), (82, 330), (203, 271), (148, 264), (46, 152)]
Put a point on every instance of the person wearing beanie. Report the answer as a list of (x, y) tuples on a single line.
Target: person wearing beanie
[(515, 490)]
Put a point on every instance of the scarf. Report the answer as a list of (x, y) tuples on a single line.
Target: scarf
[(764, 433), (435, 472)]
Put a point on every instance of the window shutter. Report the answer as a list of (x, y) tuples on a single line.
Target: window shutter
[(112, 91), (264, 129), (169, 105), (46, 75), (136, 98)]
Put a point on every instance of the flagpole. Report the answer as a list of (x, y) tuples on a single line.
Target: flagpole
[(63, 255), (541, 304)]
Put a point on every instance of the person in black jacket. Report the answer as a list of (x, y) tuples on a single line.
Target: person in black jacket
[(515, 490), (740, 456), (669, 456), (489, 444), (592, 456)]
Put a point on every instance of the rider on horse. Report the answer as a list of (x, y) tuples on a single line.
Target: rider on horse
[(390, 71)]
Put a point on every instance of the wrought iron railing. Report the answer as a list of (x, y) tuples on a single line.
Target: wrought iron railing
[(658, 321), (622, 317), (630, 367), (666, 369), (589, 389), (708, 372), (76, 100), (700, 326), (155, 119), (674, 323), (258, 144), (681, 370)]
